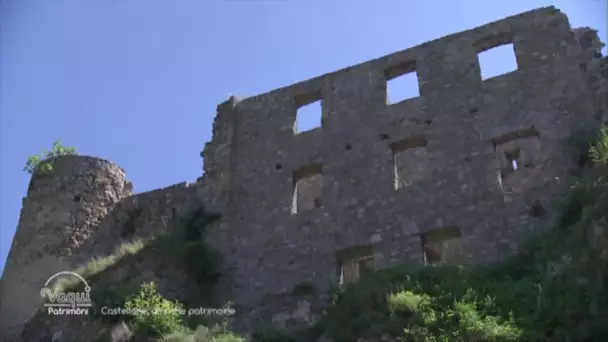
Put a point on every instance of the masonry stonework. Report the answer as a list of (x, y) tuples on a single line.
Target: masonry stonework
[(62, 210), (475, 163)]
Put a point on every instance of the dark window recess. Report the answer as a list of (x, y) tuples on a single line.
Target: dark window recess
[(403, 159), (571, 213), (128, 229), (512, 159), (537, 210), (383, 136), (348, 147), (279, 166), (432, 257), (355, 262), (307, 188), (583, 159), (443, 245), (77, 198)]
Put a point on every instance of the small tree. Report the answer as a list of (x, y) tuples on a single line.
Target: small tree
[(42, 161)]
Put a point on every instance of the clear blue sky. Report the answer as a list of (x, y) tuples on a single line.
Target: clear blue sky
[(137, 81)]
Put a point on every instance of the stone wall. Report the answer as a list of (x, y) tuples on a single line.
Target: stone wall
[(376, 177), (141, 217), (450, 145)]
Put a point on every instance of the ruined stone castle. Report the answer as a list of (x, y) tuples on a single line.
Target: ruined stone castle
[(460, 173)]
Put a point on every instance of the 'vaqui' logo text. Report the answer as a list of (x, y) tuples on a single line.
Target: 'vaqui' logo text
[(61, 302)]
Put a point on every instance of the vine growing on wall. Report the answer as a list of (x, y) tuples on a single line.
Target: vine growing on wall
[(198, 259), (43, 162)]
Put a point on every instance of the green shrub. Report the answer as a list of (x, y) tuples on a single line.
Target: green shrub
[(599, 151), (204, 334), (43, 162), (268, 334), (154, 315)]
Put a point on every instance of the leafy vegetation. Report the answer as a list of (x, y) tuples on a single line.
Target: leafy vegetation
[(99, 264), (599, 151), (43, 162), (269, 334), (551, 291), (154, 315), (218, 333)]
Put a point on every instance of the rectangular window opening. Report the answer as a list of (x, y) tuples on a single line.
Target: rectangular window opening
[(354, 262), (513, 163), (309, 112), (442, 246), (401, 83), (496, 61), (307, 188), (513, 150), (407, 156)]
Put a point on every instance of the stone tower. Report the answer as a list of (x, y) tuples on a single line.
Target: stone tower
[(62, 210)]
